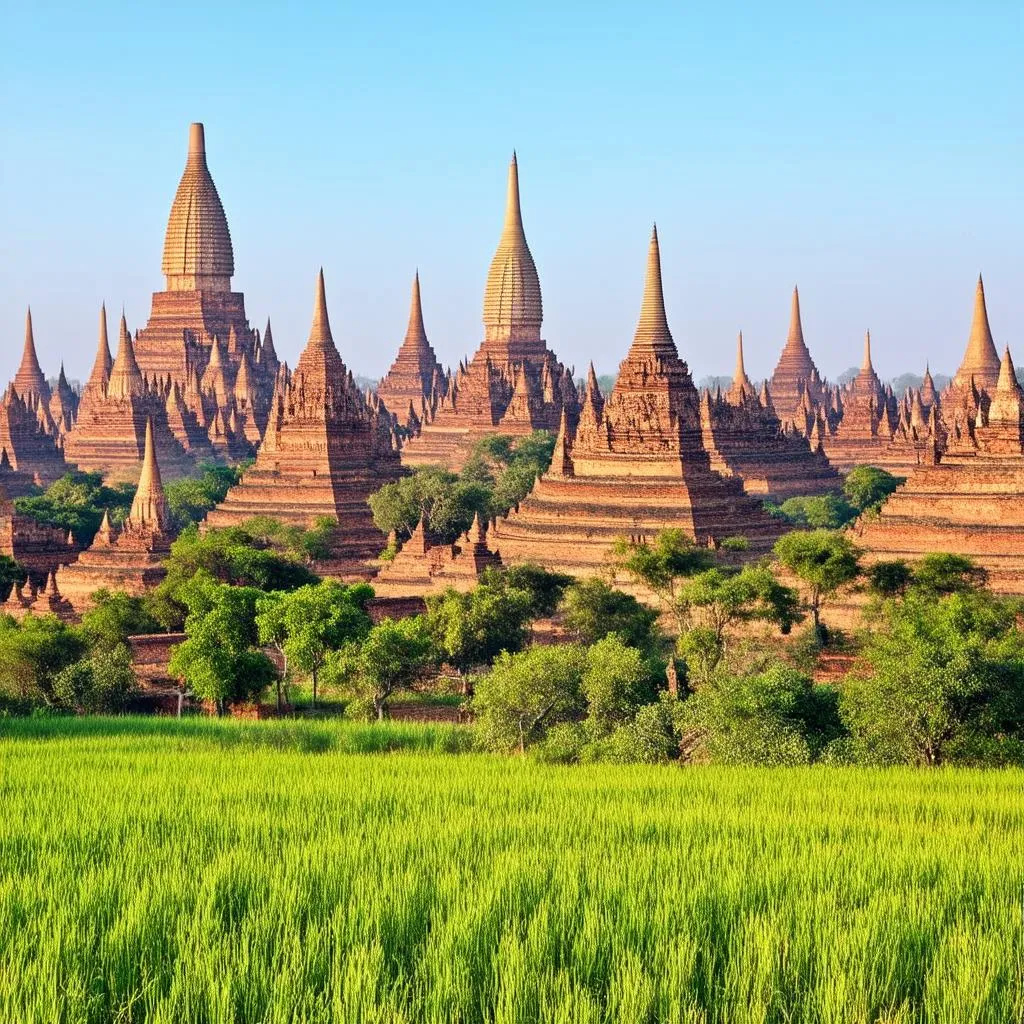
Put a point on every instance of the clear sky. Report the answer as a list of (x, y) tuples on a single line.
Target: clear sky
[(871, 152)]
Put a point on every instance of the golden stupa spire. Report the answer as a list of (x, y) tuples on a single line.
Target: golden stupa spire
[(320, 331), (416, 333), (149, 507), (1007, 382), (652, 329), (981, 360), (125, 376), (513, 309), (866, 367), (30, 379), (795, 338)]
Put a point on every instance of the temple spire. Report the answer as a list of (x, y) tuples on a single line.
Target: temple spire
[(320, 331), (30, 379), (416, 333), (867, 367), (149, 507), (795, 338), (513, 211), (1007, 382), (981, 360), (652, 330), (125, 376)]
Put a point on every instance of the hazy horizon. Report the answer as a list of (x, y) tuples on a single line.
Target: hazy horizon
[(870, 155)]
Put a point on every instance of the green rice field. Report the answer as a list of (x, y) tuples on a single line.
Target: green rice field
[(154, 870)]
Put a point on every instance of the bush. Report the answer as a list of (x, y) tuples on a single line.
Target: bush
[(867, 487), (592, 610), (101, 684)]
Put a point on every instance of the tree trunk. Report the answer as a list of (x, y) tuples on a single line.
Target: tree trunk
[(314, 687)]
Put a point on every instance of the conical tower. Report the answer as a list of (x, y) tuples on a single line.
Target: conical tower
[(795, 367), (149, 511), (652, 333), (742, 386), (125, 376), (30, 381), (981, 360)]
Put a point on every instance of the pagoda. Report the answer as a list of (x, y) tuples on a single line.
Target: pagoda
[(129, 560), (37, 547), (744, 438), (634, 466), (416, 382), (197, 308), (969, 501), (117, 404), (796, 386), (514, 384), (324, 452)]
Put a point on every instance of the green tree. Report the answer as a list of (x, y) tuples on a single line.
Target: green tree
[(816, 512), (394, 655), (32, 655), (218, 659), (76, 502), (889, 578), (939, 574), (10, 574), (544, 586), (114, 617), (823, 560), (616, 682), (945, 682), (866, 487), (190, 498), (446, 502), (310, 622), (526, 693), (102, 684), (592, 610)]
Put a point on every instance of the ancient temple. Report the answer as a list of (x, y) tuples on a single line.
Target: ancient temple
[(118, 407), (414, 386), (744, 437), (514, 384), (37, 547), (423, 567), (198, 315), (131, 559), (969, 501), (796, 386), (634, 467), (324, 452)]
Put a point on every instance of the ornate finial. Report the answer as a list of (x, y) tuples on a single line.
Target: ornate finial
[(652, 330), (320, 332), (867, 367), (196, 140), (416, 333), (795, 338)]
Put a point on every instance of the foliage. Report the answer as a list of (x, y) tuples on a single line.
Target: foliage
[(307, 881), (889, 578), (866, 487), (259, 553), (103, 683), (218, 660), (816, 512), (773, 717), (592, 610), (10, 573), (32, 656), (526, 693), (616, 682), (392, 656), (544, 587), (311, 621), (190, 498), (939, 574), (946, 682), (76, 502), (114, 617), (823, 560)]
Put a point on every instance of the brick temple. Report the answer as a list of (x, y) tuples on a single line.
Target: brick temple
[(797, 389), (634, 465), (514, 384), (325, 450)]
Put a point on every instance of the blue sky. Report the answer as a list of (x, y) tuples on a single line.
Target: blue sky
[(873, 153)]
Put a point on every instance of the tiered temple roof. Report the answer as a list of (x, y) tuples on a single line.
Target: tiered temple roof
[(324, 452), (744, 438), (131, 559), (969, 502), (635, 468), (416, 382), (514, 384), (198, 309), (796, 386)]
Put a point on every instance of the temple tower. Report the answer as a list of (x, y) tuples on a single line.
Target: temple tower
[(795, 381)]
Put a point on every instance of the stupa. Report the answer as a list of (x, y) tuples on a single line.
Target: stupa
[(324, 452), (744, 438), (198, 307), (37, 547), (796, 386), (109, 434), (635, 467), (514, 384), (969, 501), (30, 381), (416, 382), (130, 559)]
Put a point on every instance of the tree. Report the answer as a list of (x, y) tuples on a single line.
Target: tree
[(816, 512), (526, 693), (616, 682), (32, 655), (470, 629), (10, 574), (823, 560), (866, 487), (310, 622), (889, 578), (102, 684), (392, 656), (773, 717), (114, 617), (544, 586), (592, 610), (189, 499), (76, 502), (939, 574), (447, 503), (945, 682), (218, 659)]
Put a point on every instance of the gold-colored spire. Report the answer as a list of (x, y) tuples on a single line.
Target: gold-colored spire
[(125, 376), (513, 309), (1007, 383), (652, 329), (149, 507), (197, 247), (981, 360), (866, 367), (416, 332), (30, 379), (795, 338), (320, 331)]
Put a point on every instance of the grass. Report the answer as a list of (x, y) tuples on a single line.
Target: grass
[(225, 871)]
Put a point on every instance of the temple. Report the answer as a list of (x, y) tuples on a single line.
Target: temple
[(969, 501), (634, 465), (514, 384), (796, 386), (129, 560), (744, 437), (37, 547), (198, 319), (325, 450), (416, 382)]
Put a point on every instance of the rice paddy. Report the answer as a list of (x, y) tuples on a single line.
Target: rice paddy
[(267, 872)]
